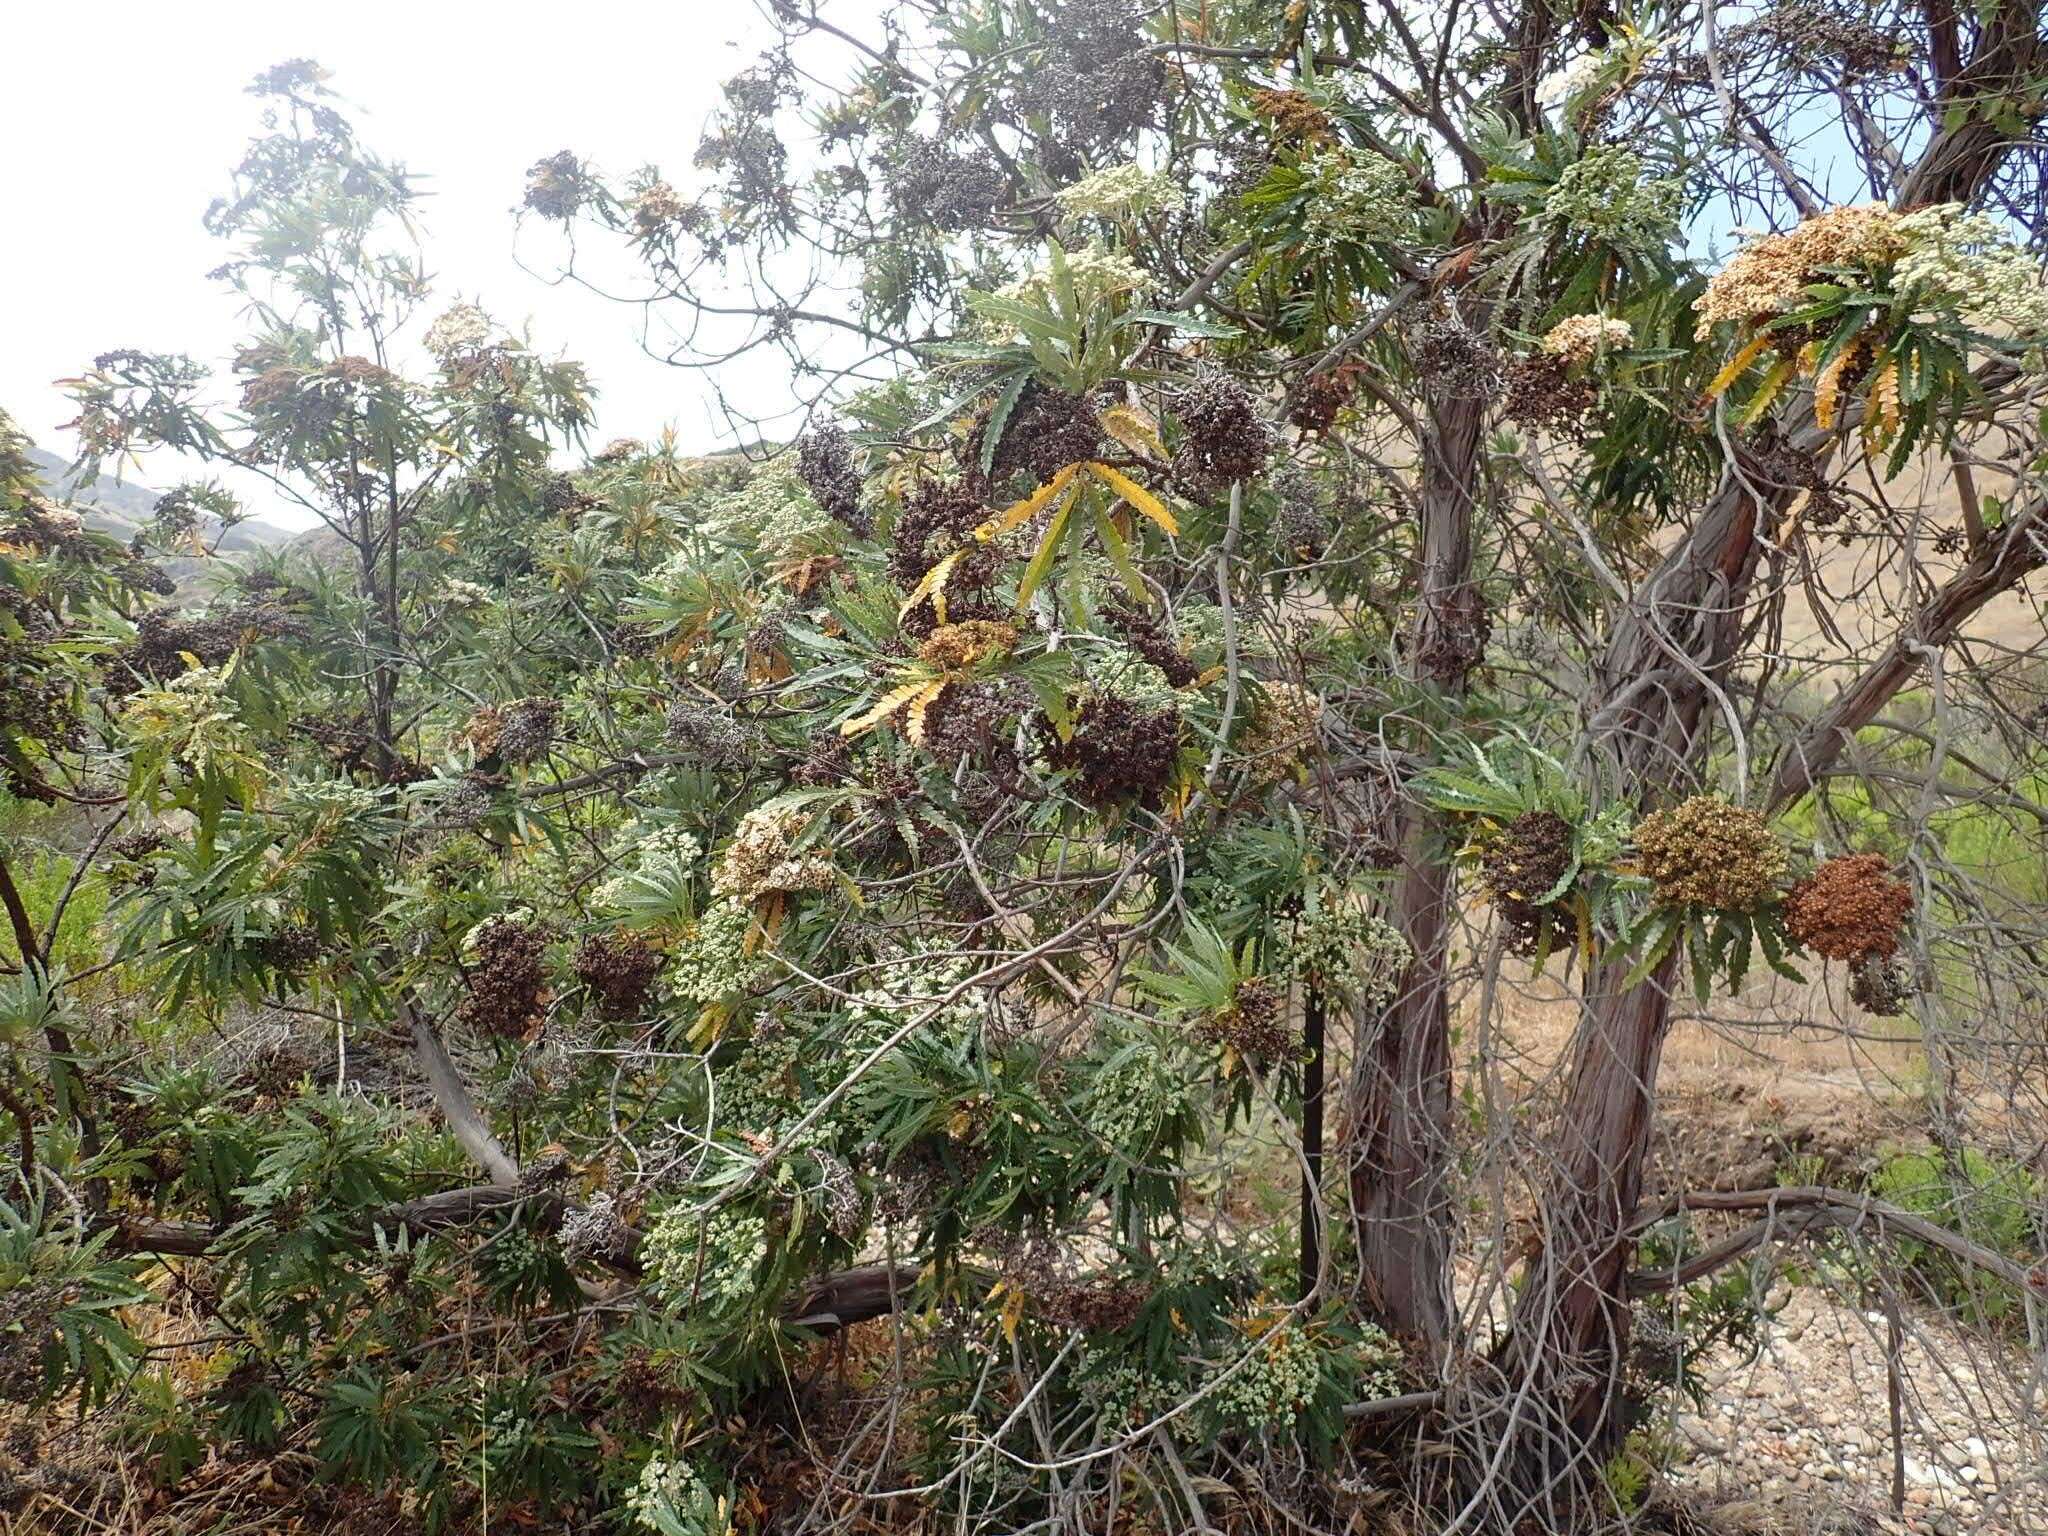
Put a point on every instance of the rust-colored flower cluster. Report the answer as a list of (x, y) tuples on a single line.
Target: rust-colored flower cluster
[(955, 646), (1705, 852), (1849, 908)]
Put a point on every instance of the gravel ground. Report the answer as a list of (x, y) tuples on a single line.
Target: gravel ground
[(1800, 1438)]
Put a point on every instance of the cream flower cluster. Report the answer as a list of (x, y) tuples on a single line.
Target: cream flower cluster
[(1121, 192), (1098, 273), (1359, 199), (761, 859), (1964, 262), (460, 328), (1579, 338), (1769, 275)]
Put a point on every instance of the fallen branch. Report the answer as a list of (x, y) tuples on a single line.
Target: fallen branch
[(1801, 1209)]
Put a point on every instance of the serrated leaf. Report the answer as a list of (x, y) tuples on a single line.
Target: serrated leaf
[(892, 701), (1736, 367), (932, 585), (999, 418), (1041, 561), (1136, 495), (1023, 511)]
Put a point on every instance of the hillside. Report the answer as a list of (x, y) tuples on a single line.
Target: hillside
[(122, 508)]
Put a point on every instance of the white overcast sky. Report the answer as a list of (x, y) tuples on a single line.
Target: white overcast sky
[(120, 120)]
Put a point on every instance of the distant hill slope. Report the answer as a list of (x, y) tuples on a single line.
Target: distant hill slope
[(119, 508)]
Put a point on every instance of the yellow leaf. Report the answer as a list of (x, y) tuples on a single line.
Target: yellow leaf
[(1772, 386), (1025, 510), (1738, 365), (1881, 414), (918, 706), (710, 1024), (933, 586), (1827, 388), (892, 701), (1013, 1314), (1134, 428), (1136, 495)]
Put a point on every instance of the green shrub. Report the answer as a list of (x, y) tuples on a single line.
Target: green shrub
[(1988, 1200)]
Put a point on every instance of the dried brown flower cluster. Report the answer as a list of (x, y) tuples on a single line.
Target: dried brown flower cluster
[(291, 947), (1880, 985), (1529, 857), (1320, 398), (824, 462), (1255, 1024), (1223, 436), (519, 732), (954, 646), (1046, 431), (1456, 361), (1542, 394), (939, 517), (1120, 751), (1093, 1306), (1705, 852), (618, 970), (1850, 908), (1148, 635), (508, 993), (559, 186), (1769, 275), (163, 642)]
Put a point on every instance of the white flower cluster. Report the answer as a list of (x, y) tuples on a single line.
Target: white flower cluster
[(712, 963), (755, 1092), (1560, 86), (1606, 195), (1358, 199), (1966, 263), (1133, 1094), (1120, 192), (774, 511), (460, 328), (465, 595), (1351, 953), (1098, 273), (906, 988), (336, 797), (1269, 1390), (731, 1243), (672, 1499)]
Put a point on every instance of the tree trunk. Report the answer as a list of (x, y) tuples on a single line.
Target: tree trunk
[(1401, 1071)]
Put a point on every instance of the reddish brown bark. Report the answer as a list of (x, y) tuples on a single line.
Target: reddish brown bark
[(1401, 1073)]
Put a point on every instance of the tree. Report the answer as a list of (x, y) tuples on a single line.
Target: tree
[(1291, 544)]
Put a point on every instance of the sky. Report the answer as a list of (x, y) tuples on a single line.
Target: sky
[(120, 121)]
